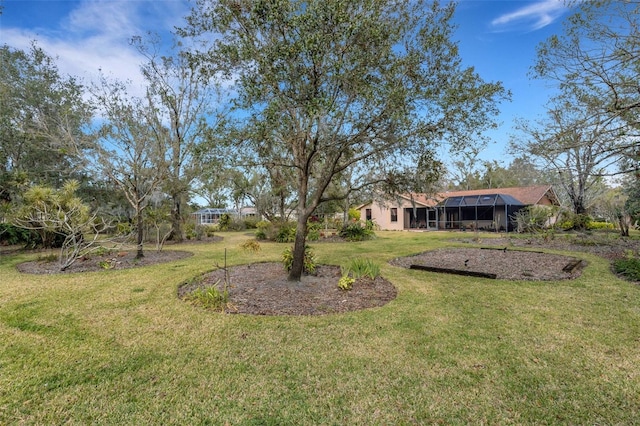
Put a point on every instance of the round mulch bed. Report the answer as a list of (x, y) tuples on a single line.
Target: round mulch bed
[(94, 262), (506, 264), (263, 289)]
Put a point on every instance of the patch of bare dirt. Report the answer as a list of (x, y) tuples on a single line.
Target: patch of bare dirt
[(263, 289), (506, 264), (112, 260)]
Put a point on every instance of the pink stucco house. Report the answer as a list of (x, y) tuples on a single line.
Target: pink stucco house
[(489, 209)]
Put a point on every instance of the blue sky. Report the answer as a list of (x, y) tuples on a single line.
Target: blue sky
[(497, 37)]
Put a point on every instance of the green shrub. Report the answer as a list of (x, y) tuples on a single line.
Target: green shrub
[(593, 225), (309, 266), (361, 267), (628, 267), (236, 224), (569, 220), (286, 233), (264, 230), (261, 234), (224, 222), (190, 231), (250, 222), (13, 235), (313, 230), (354, 214), (357, 231)]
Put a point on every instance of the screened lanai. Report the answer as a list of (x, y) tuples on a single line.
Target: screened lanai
[(484, 212)]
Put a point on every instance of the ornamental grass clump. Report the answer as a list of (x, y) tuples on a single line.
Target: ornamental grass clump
[(361, 267), (210, 298)]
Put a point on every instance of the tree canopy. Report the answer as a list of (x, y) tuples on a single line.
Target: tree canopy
[(329, 86), (43, 122)]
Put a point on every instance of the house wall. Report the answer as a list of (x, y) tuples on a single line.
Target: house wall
[(381, 216)]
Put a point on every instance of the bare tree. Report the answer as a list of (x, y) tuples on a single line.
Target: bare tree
[(131, 151)]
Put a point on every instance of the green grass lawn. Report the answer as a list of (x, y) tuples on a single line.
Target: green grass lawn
[(118, 347)]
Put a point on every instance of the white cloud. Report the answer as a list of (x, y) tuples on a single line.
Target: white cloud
[(531, 17), (95, 36)]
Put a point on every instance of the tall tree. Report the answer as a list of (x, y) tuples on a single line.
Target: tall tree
[(44, 122), (331, 84), (182, 99), (131, 152), (597, 60), (576, 145)]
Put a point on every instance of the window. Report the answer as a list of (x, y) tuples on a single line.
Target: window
[(394, 214), (368, 214)]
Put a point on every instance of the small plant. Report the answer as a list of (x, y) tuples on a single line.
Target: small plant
[(251, 246), (346, 283), (361, 267), (309, 266), (210, 297), (106, 264), (102, 251), (48, 258)]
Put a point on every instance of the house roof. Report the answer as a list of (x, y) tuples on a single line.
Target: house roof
[(527, 195), (521, 195)]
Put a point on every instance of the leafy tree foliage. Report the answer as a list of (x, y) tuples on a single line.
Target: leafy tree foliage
[(327, 85), (43, 122)]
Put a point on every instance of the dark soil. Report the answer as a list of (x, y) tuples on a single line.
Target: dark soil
[(506, 264), (113, 260), (263, 289)]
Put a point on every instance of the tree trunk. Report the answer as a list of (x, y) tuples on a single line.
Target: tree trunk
[(177, 233), (297, 266), (140, 243)]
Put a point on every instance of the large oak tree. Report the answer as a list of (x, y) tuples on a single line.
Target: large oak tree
[(325, 86)]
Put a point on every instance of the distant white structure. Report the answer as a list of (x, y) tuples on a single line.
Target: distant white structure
[(211, 216)]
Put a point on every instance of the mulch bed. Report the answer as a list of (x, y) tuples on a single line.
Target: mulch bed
[(506, 264), (263, 289), (115, 260)]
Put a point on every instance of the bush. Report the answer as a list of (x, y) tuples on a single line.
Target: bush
[(593, 226), (12, 235), (357, 231), (532, 219), (309, 266), (286, 233), (313, 230), (569, 221), (224, 222), (354, 214), (250, 222), (628, 267)]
